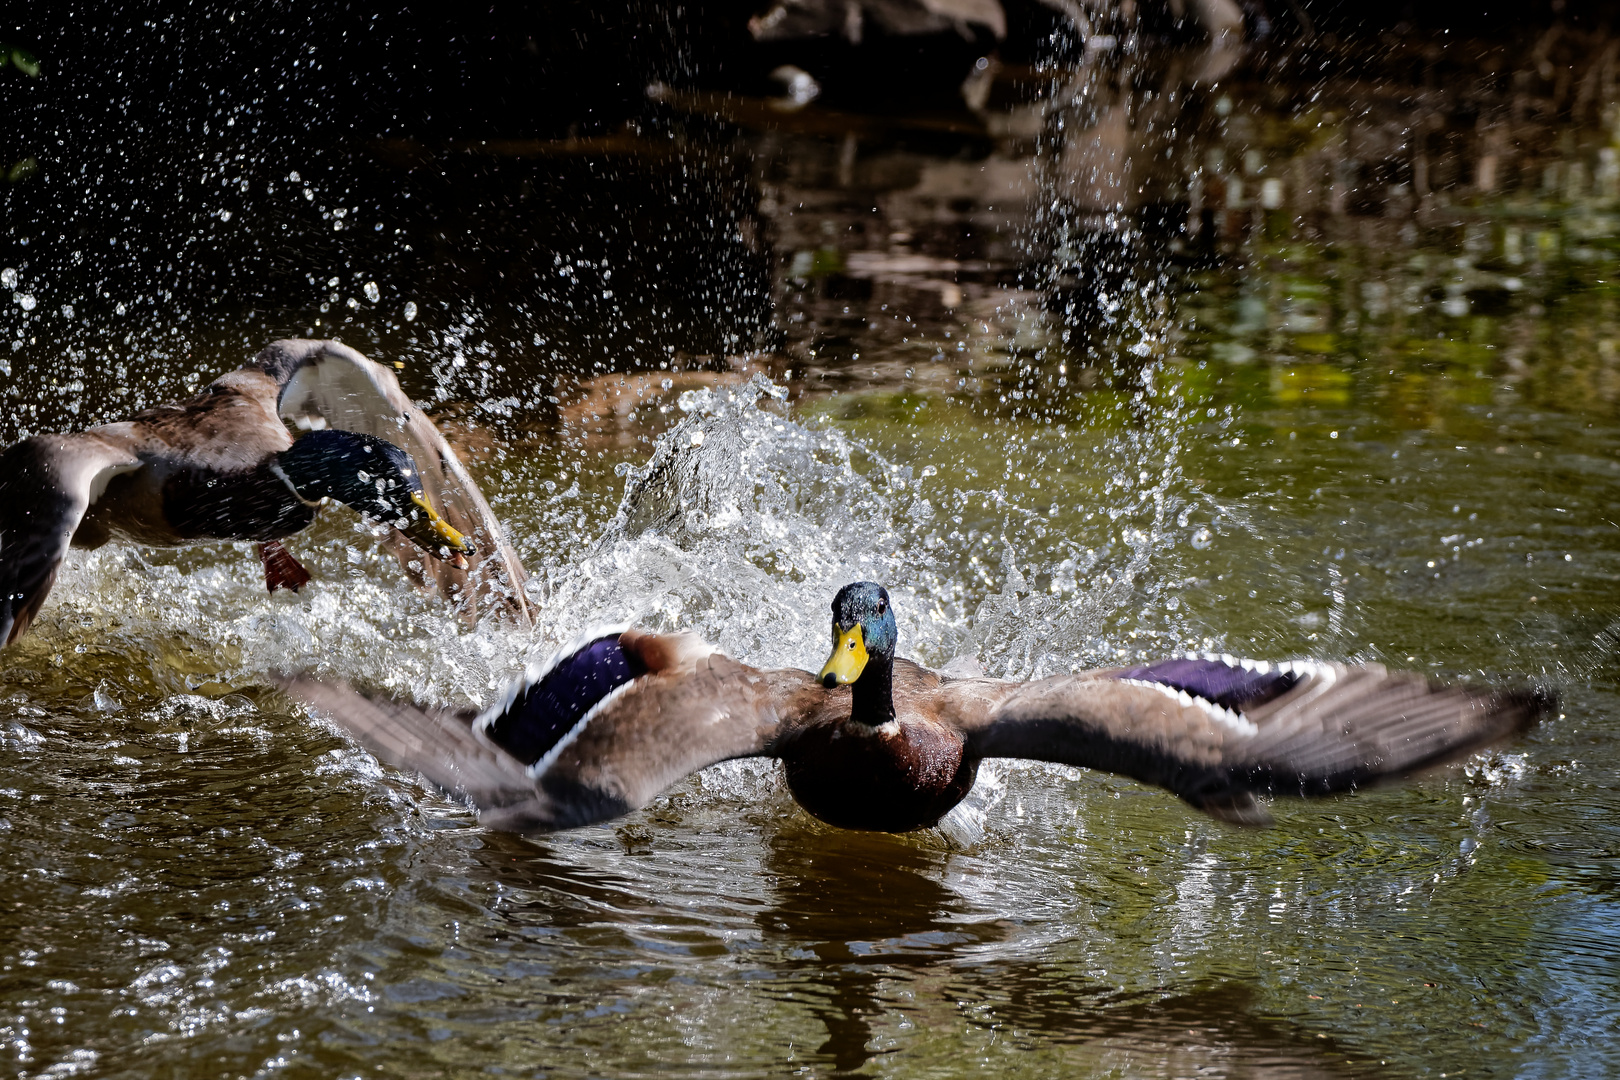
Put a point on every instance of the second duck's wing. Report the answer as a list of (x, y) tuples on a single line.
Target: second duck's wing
[(47, 482), (1220, 731), (328, 384), (596, 732)]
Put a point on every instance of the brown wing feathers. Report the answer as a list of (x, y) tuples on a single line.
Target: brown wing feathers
[(667, 726), (581, 739), (1381, 725), (438, 743), (1316, 729), (46, 484)]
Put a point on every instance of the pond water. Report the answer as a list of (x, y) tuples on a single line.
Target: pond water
[(1185, 349)]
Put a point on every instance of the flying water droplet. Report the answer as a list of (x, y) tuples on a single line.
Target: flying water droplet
[(410, 311), (373, 294)]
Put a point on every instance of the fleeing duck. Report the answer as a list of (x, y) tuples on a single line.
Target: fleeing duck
[(879, 743), (227, 466)]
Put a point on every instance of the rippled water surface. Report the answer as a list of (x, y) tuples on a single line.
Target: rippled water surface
[(1303, 383)]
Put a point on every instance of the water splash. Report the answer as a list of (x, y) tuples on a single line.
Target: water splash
[(198, 622), (741, 526)]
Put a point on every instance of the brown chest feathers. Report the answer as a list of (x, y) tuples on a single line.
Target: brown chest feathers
[(900, 776)]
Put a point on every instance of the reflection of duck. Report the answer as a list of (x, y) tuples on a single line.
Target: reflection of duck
[(824, 908), (225, 466), (878, 743)]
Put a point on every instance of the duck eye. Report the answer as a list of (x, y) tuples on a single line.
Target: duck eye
[(883, 605)]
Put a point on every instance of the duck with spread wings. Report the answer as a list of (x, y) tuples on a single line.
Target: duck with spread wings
[(879, 743), (252, 458)]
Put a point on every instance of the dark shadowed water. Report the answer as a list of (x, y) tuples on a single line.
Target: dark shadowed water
[(1305, 350)]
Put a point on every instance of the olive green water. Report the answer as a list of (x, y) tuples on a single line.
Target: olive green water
[(1386, 433)]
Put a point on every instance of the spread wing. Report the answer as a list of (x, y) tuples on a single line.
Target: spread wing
[(659, 729), (328, 384), (46, 484), (588, 737), (436, 742), (1219, 731)]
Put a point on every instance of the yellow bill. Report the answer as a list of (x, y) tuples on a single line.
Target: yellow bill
[(431, 533), (848, 657)]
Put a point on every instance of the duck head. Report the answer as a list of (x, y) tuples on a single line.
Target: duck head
[(863, 631), (376, 478)]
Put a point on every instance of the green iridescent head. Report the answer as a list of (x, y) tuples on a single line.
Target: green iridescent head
[(863, 626), (376, 478)]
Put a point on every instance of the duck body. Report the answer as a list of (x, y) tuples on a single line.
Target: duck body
[(206, 471), (896, 775), (878, 743), (252, 458)]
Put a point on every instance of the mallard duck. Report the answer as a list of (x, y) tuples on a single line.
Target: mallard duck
[(226, 466), (872, 742)]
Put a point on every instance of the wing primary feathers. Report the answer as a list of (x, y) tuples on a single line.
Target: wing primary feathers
[(1301, 729), (437, 743), (1376, 737), (600, 754)]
